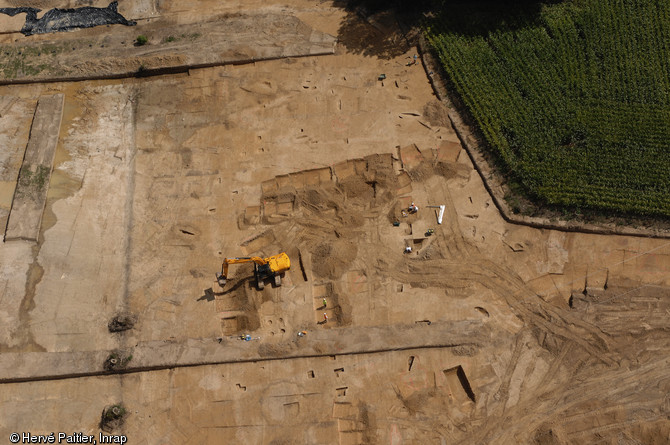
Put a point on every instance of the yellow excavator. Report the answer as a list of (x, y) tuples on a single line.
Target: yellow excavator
[(264, 268)]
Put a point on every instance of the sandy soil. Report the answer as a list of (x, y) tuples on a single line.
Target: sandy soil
[(156, 180)]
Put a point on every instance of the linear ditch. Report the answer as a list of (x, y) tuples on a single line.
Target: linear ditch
[(153, 72), (139, 369)]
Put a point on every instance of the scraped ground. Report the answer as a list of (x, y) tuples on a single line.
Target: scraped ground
[(557, 337)]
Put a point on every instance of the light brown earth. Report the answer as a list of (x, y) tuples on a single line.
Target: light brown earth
[(487, 333)]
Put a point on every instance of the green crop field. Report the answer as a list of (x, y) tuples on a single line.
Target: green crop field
[(573, 96)]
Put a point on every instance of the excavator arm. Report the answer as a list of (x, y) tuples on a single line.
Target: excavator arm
[(223, 276), (264, 268)]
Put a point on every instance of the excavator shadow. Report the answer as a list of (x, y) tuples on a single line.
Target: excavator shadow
[(210, 295), (250, 280)]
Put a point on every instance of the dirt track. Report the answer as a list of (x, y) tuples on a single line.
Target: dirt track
[(156, 180)]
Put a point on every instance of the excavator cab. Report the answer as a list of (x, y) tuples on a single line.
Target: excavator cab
[(262, 272), (264, 268)]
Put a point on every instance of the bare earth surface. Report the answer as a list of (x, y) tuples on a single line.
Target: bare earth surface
[(487, 332)]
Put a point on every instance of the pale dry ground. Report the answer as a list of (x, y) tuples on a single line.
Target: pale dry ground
[(303, 401), (150, 187)]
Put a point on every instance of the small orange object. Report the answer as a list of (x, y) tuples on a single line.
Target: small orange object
[(325, 317)]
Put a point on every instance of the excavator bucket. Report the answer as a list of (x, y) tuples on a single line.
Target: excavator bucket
[(221, 279)]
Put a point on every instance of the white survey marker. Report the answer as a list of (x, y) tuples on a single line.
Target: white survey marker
[(440, 214)]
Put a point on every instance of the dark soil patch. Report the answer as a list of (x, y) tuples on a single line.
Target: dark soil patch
[(377, 35), (56, 19), (113, 417), (117, 360), (122, 322)]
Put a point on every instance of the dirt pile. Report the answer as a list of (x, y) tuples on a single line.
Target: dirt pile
[(436, 114), (276, 349), (422, 171), (321, 198), (333, 204), (331, 259), (375, 186), (446, 169), (357, 188), (449, 170), (380, 170)]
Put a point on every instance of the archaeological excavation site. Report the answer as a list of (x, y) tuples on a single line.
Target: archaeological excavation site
[(262, 222)]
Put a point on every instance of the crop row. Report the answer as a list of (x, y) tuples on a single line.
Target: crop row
[(576, 100)]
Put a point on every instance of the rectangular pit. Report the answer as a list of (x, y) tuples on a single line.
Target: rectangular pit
[(459, 385)]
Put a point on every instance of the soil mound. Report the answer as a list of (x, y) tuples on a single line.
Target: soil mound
[(450, 170), (275, 350), (380, 170), (318, 199), (356, 187), (332, 259), (422, 172), (436, 114)]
